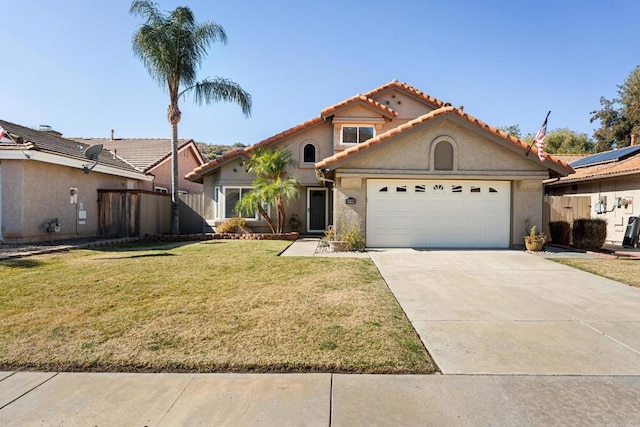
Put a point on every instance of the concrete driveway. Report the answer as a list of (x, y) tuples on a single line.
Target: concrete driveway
[(509, 312)]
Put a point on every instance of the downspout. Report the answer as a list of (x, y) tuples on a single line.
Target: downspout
[(321, 178)]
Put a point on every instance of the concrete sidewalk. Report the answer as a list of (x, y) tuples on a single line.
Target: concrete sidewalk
[(82, 399)]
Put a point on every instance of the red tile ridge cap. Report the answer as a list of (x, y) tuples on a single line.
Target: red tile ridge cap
[(247, 150), (408, 88), (286, 133), (229, 155), (327, 112), (515, 141)]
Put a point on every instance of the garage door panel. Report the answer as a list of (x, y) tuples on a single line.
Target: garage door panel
[(438, 213)]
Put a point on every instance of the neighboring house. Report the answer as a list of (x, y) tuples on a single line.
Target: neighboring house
[(44, 191), (408, 169), (612, 180), (153, 156)]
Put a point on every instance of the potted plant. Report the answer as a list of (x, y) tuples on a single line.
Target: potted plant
[(534, 241), (335, 244), (294, 222)]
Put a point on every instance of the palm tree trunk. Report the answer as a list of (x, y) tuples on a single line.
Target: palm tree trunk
[(281, 215), (266, 217), (174, 118)]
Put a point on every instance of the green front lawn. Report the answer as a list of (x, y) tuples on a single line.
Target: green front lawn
[(622, 270), (206, 307)]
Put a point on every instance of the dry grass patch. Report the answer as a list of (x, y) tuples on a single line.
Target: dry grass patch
[(622, 270), (209, 306)]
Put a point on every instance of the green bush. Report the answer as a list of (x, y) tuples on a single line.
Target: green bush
[(589, 233), (232, 225), (560, 232), (354, 239)]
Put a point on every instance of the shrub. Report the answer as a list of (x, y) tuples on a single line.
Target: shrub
[(353, 237), (232, 225), (589, 233), (560, 232)]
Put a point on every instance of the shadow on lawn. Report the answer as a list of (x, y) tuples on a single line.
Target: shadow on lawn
[(163, 254), (140, 246), (21, 263)]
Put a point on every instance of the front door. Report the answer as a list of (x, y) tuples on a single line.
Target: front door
[(317, 210)]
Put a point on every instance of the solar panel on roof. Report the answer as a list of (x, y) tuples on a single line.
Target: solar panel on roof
[(607, 156)]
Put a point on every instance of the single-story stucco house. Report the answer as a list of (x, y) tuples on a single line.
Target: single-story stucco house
[(406, 168), (153, 156), (44, 190), (611, 180)]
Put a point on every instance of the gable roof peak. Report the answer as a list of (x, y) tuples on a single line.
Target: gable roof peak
[(554, 163)]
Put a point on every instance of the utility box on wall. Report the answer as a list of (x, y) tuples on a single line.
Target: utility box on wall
[(601, 205)]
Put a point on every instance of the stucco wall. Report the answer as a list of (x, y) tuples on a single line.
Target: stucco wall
[(37, 192), (348, 215), (527, 207), (186, 163), (12, 183), (474, 151), (617, 218)]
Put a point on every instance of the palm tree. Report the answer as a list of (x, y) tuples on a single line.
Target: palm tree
[(272, 186), (172, 47)]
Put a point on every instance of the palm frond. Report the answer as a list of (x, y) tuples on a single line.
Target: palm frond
[(219, 89)]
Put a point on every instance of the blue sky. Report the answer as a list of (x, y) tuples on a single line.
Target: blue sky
[(69, 64)]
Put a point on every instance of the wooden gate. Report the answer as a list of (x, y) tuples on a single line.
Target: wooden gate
[(133, 213)]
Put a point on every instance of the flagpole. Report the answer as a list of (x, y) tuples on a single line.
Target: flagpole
[(534, 138)]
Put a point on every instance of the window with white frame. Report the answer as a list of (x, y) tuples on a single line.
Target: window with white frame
[(232, 195), (357, 134), (161, 190)]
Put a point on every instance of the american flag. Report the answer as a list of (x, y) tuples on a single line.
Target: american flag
[(2, 132), (539, 138)]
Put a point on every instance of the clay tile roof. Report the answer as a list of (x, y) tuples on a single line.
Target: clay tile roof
[(408, 89), (286, 133), (626, 166), (197, 174), (358, 99), (55, 144), (379, 139)]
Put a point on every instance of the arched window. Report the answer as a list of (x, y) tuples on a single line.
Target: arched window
[(443, 156), (309, 153)]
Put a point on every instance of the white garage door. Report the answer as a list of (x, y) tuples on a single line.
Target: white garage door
[(438, 213)]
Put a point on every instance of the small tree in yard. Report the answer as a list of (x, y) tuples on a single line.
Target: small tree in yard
[(272, 186)]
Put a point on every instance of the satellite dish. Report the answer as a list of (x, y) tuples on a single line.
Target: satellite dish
[(92, 154)]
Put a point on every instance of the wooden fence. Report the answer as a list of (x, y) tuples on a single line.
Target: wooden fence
[(565, 208), (191, 213), (135, 213)]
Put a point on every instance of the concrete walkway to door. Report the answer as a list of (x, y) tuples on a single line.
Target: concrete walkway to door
[(509, 312)]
